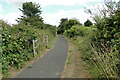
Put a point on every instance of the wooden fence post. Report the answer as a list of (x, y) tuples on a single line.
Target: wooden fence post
[(34, 47), (56, 31), (47, 41)]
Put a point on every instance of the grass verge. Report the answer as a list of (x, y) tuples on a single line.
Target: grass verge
[(74, 66)]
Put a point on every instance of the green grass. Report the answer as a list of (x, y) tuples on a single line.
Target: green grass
[(100, 64)]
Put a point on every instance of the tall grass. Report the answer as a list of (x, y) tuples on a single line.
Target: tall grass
[(105, 63), (101, 65), (102, 62)]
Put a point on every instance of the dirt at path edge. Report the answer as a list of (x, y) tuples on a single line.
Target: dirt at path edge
[(75, 67)]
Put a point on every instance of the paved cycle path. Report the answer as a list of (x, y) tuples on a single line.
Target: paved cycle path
[(51, 65)]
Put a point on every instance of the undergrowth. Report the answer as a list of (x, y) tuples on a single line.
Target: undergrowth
[(17, 45)]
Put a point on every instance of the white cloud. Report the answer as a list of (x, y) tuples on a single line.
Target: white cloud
[(55, 2), (81, 15), (54, 18), (1, 9), (117, 0), (51, 18), (1, 16), (10, 17)]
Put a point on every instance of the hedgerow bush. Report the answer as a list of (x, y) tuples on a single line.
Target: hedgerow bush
[(17, 45), (17, 40), (102, 62), (77, 30), (100, 49)]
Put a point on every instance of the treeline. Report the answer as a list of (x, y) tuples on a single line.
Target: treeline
[(17, 40), (99, 43)]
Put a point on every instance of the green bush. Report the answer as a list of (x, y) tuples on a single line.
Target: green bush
[(79, 31), (102, 62), (17, 45)]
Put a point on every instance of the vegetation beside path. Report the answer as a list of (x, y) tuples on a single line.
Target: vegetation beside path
[(15, 72), (17, 40), (75, 67), (98, 43)]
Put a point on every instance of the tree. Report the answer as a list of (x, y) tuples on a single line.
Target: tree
[(62, 26), (107, 22), (30, 9), (31, 14), (63, 20), (88, 23), (73, 22), (66, 24)]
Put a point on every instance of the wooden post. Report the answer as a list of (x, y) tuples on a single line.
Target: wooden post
[(47, 41), (56, 31), (34, 47)]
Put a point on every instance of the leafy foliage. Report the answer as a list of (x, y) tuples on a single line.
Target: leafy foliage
[(30, 9), (100, 43), (17, 45), (66, 24), (31, 14), (88, 23)]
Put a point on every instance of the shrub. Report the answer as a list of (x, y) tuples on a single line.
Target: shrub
[(17, 45)]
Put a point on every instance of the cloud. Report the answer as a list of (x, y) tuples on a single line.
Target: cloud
[(11, 17), (54, 18), (117, 0), (55, 2), (80, 14), (1, 16), (1, 9)]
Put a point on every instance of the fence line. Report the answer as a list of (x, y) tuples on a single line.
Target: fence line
[(45, 39)]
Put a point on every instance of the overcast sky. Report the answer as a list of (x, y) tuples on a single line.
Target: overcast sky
[(52, 10)]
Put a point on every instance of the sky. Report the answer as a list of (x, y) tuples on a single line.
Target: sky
[(52, 10)]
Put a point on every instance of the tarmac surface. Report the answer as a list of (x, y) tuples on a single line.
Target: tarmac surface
[(51, 65)]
